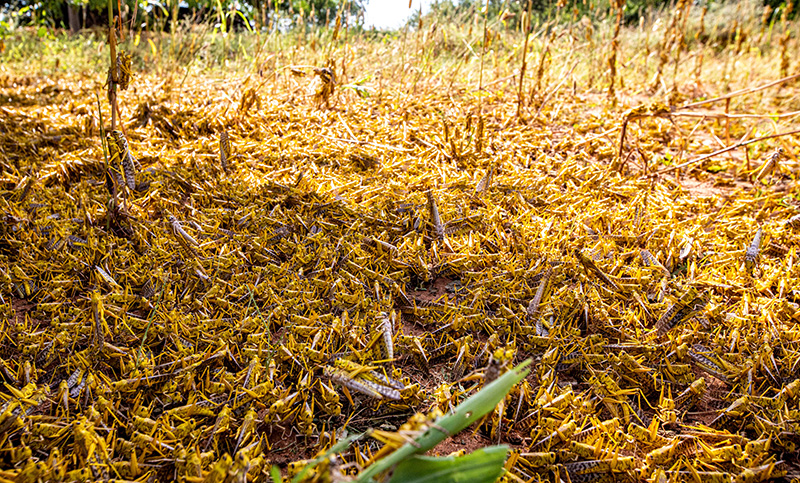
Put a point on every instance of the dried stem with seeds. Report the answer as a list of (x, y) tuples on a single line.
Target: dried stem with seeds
[(526, 31), (680, 41), (612, 58), (670, 37), (112, 87)]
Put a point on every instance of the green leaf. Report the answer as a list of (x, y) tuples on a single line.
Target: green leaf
[(482, 466), (244, 19), (462, 416), (222, 16), (275, 473), (42, 32), (337, 448), (362, 91)]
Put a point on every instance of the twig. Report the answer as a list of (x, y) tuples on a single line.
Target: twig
[(740, 92), (601, 135), (715, 114), (497, 81), (659, 111), (747, 157), (727, 121), (725, 150)]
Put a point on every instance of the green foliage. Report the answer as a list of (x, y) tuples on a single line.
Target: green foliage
[(11, 17), (53, 13), (511, 11), (481, 466), (359, 88), (780, 6), (462, 416), (337, 448)]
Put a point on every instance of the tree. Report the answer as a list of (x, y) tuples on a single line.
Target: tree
[(74, 19)]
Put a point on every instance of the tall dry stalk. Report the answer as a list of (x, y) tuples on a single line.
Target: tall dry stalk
[(698, 69), (542, 62), (618, 6), (334, 36), (784, 41), (479, 143), (765, 16), (698, 65), (119, 74), (701, 30), (479, 137), (646, 32), (680, 42), (526, 31), (112, 73), (343, 75), (732, 33), (589, 35), (483, 50), (668, 42)]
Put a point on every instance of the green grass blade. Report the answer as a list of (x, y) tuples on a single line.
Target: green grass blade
[(337, 448), (481, 466), (275, 474), (464, 414), (244, 19), (222, 17)]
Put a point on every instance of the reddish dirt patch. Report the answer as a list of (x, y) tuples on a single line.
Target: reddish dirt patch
[(470, 440), (705, 188), (287, 446), (467, 440), (408, 327), (21, 308), (708, 408), (435, 291)]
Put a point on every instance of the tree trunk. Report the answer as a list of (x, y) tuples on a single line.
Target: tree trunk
[(74, 18)]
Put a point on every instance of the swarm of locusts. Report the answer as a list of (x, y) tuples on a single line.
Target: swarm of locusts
[(243, 280)]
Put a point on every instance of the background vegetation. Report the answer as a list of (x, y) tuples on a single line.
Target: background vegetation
[(155, 14)]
